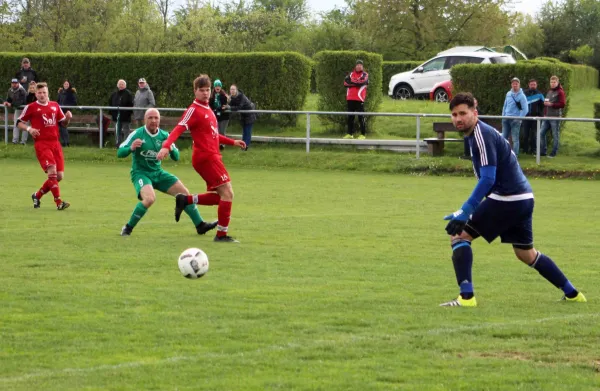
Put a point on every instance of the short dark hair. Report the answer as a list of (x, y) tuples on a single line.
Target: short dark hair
[(39, 86), (202, 81), (532, 80), (461, 98)]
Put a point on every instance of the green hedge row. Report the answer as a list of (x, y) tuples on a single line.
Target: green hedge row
[(390, 68), (584, 77), (331, 70), (490, 83), (272, 80)]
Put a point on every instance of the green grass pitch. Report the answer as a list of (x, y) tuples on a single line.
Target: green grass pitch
[(335, 286)]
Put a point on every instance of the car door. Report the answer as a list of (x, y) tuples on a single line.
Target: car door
[(424, 78)]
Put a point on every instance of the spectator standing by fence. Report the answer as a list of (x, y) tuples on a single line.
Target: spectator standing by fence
[(26, 74), (15, 98), (554, 105), (239, 101), (122, 97), (31, 92), (218, 100), (144, 98), (535, 100), (356, 84), (67, 96), (515, 105)]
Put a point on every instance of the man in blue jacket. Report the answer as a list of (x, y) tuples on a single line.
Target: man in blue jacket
[(515, 105)]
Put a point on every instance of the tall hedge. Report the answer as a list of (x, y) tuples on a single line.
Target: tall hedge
[(390, 68), (331, 70), (584, 77), (273, 80), (490, 83)]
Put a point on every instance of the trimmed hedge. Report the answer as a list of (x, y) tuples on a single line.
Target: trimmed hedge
[(583, 76), (278, 80), (390, 68), (490, 83), (331, 69)]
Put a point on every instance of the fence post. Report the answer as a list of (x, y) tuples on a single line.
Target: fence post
[(307, 133), (5, 125), (538, 142), (101, 122), (418, 136)]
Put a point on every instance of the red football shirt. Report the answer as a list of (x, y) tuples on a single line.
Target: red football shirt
[(200, 120), (44, 118)]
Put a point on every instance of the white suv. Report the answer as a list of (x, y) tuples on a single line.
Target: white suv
[(421, 80)]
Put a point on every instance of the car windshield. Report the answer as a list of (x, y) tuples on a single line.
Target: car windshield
[(502, 60)]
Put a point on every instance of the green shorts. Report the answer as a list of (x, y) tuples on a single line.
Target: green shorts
[(160, 180)]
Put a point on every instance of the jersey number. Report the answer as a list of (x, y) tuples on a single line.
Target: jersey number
[(141, 182)]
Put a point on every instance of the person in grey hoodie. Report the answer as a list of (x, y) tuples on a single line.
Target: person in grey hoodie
[(515, 105), (144, 97), (15, 98)]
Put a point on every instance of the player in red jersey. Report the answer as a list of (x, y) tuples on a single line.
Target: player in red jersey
[(44, 116), (200, 120)]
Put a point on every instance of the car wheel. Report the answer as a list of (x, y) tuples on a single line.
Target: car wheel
[(440, 95), (403, 92)]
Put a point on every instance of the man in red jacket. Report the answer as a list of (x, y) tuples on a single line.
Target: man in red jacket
[(554, 105), (356, 84)]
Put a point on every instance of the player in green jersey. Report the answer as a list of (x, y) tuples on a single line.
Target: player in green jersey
[(147, 174)]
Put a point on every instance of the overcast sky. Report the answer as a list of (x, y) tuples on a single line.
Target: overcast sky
[(528, 6)]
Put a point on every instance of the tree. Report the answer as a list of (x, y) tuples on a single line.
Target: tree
[(582, 55), (528, 36)]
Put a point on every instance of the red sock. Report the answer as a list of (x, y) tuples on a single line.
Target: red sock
[(44, 189), (53, 185), (224, 214), (204, 199)]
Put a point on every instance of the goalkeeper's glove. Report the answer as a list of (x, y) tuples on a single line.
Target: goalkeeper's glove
[(458, 219)]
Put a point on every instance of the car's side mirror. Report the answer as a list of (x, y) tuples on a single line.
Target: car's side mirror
[(419, 70)]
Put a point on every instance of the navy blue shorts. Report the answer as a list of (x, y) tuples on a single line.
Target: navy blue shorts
[(511, 220)]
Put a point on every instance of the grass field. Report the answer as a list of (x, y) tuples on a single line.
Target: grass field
[(335, 286)]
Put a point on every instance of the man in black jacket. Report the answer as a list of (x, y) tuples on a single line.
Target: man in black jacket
[(26, 74), (122, 97), (535, 100)]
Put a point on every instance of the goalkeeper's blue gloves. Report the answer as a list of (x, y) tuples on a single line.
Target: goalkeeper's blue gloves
[(459, 219)]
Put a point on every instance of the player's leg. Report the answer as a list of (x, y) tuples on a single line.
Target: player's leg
[(521, 238), (202, 227), (462, 260), (146, 195), (60, 175), (225, 192)]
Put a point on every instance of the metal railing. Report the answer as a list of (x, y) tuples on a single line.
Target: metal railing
[(308, 114)]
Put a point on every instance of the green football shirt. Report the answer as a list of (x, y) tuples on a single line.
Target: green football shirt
[(144, 157)]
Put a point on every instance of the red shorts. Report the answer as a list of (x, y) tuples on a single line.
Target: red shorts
[(212, 170), (49, 153)]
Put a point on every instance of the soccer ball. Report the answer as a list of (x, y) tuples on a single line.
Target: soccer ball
[(193, 263)]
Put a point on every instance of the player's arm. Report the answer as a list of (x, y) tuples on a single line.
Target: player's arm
[(228, 141), (22, 123), (129, 145), (174, 153), (64, 118)]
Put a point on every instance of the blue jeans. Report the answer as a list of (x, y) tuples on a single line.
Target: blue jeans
[(247, 134), (555, 125), (512, 127)]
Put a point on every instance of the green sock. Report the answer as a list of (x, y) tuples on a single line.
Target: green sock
[(192, 211), (139, 212)]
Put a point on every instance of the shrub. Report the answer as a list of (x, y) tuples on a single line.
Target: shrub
[(272, 80), (490, 83), (331, 69), (390, 68)]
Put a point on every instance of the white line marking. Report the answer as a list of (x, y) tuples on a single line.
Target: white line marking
[(288, 346)]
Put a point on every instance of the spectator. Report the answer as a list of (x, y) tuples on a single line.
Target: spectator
[(31, 92), (239, 101), (16, 98), (122, 97), (144, 97), (67, 96), (535, 100), (356, 84), (515, 105), (26, 74), (555, 102), (218, 100)]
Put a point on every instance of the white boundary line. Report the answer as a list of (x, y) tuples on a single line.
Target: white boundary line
[(288, 346)]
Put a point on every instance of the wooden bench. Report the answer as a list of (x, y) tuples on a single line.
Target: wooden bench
[(435, 145)]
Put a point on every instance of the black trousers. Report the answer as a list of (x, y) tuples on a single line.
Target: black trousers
[(356, 106), (529, 132)]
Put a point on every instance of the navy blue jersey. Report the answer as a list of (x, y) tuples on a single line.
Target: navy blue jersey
[(489, 148)]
